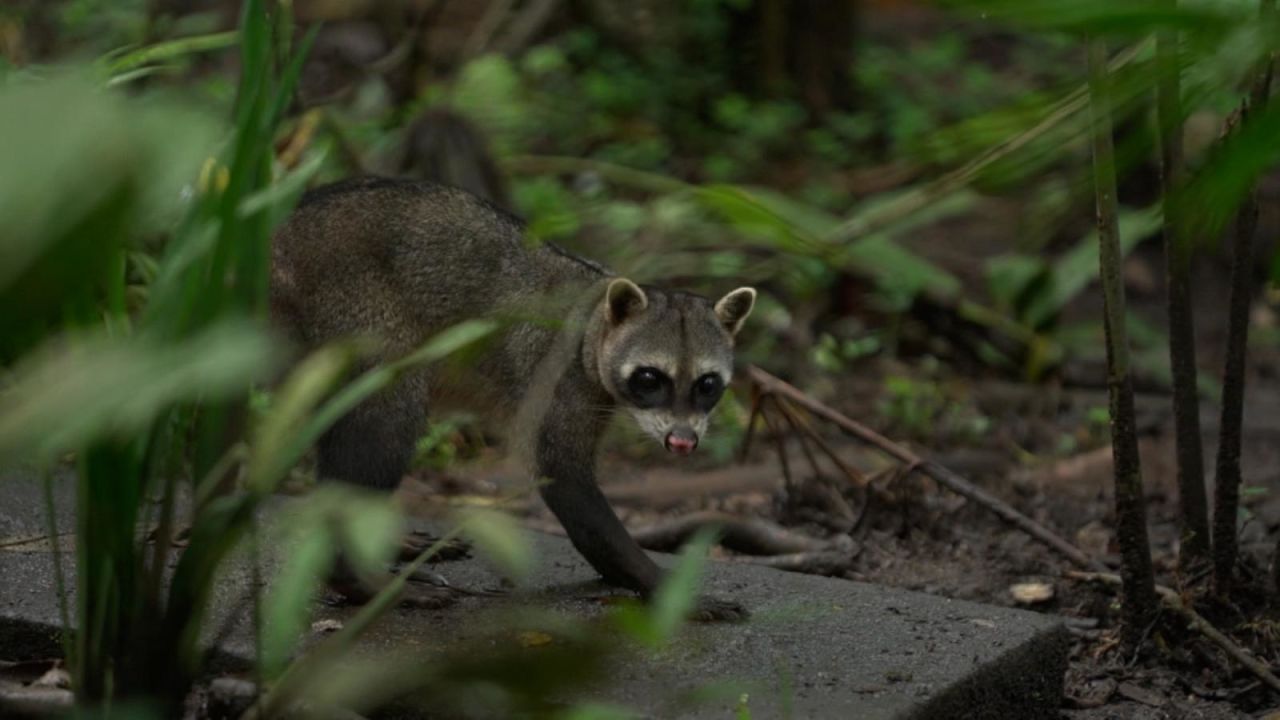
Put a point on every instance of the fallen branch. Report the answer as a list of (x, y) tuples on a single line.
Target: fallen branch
[(941, 475), (752, 536), (1195, 621), (819, 562), (857, 478)]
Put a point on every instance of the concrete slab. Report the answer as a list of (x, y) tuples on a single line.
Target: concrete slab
[(816, 647)]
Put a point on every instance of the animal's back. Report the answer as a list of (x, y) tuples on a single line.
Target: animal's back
[(403, 259)]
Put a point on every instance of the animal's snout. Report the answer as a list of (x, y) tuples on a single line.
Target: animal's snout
[(681, 442)]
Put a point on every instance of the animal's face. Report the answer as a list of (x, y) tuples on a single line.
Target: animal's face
[(667, 357)]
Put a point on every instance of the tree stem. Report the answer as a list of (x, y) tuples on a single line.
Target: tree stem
[(1179, 251), (1139, 595), (1227, 483)]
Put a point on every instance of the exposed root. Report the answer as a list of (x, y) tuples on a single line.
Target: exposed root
[(1171, 600)]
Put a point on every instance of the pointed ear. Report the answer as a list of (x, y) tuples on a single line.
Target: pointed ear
[(733, 309), (624, 299)]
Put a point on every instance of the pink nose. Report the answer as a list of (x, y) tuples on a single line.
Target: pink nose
[(680, 444)]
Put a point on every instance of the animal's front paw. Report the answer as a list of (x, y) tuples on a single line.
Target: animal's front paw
[(709, 609)]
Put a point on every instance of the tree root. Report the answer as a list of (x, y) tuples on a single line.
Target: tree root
[(818, 562), (751, 536), (1171, 600)]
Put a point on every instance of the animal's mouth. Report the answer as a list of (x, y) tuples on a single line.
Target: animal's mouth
[(680, 443)]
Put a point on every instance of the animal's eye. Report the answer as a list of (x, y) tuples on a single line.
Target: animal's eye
[(707, 390), (708, 386), (645, 380), (649, 387)]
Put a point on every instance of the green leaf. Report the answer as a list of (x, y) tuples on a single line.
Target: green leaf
[(97, 171), (1075, 271), (1214, 195), (291, 406), (345, 400), (676, 596), (116, 64), (656, 622), (370, 529), (286, 606), (88, 388), (364, 525), (500, 538), (798, 228), (1011, 277), (283, 193)]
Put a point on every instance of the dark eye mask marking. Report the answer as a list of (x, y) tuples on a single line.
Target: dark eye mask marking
[(706, 391), (649, 387)]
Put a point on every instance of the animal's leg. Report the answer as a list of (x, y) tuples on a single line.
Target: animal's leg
[(372, 446)]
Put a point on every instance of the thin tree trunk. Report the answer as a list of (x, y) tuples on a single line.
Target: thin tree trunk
[(1178, 250), (1139, 594), (1227, 484)]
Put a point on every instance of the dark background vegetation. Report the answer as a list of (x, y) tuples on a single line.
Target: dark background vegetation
[(911, 185)]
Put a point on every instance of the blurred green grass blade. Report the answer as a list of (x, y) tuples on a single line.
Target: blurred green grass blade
[(255, 45), (369, 528), (289, 77), (870, 219), (95, 174), (215, 531), (279, 197), (285, 609), (1215, 193), (364, 525), (748, 215), (116, 64), (349, 396), (1130, 17), (502, 540), (291, 406), (676, 596), (317, 664), (656, 622), (799, 229), (83, 389), (125, 78)]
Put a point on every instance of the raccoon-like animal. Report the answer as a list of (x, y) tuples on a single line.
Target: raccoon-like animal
[(403, 260)]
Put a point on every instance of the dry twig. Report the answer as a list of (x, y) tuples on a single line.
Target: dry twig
[(941, 475)]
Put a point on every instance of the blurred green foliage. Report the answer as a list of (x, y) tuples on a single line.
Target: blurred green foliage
[(133, 291), (133, 274)]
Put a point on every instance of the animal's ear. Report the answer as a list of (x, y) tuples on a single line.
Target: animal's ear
[(733, 309), (624, 299)]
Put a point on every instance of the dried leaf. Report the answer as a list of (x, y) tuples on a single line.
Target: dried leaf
[(1031, 593)]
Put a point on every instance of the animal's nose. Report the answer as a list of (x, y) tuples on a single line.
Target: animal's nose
[(681, 442)]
